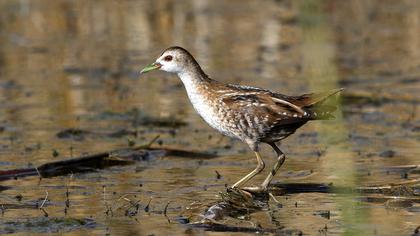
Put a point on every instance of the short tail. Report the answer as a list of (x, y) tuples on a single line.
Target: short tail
[(318, 105)]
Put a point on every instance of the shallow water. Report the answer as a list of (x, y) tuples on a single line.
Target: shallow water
[(75, 64)]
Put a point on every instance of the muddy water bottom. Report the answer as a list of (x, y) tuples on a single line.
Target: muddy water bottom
[(172, 195)]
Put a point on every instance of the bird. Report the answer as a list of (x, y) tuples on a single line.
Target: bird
[(252, 115)]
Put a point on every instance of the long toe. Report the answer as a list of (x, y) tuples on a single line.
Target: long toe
[(257, 193), (255, 189)]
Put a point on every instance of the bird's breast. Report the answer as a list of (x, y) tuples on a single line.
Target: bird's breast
[(213, 112)]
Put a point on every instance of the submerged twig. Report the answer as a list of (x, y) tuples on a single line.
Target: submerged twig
[(165, 212), (151, 141), (147, 208), (134, 205), (67, 202), (417, 231), (45, 212), (108, 208), (42, 204), (45, 199), (218, 175), (39, 174)]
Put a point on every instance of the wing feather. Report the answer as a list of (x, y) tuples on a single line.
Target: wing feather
[(265, 105)]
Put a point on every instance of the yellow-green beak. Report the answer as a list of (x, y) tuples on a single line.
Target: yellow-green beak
[(153, 66)]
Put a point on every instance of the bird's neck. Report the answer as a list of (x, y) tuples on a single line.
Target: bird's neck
[(194, 79), (199, 89)]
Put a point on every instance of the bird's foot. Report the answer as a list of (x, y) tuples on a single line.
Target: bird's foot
[(251, 197), (255, 190), (251, 191)]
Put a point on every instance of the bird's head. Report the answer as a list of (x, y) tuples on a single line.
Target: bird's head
[(173, 60)]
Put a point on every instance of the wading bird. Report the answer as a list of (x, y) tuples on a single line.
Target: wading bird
[(252, 115)]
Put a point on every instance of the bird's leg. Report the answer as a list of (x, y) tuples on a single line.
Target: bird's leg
[(280, 160), (257, 170)]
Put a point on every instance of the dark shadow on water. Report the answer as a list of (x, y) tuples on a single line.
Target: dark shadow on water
[(89, 163)]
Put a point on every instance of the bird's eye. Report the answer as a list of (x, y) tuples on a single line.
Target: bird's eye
[(168, 58)]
